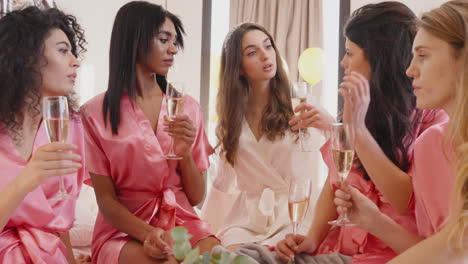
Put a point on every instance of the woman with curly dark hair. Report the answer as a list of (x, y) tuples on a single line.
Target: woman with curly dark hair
[(257, 145), (38, 57), (379, 40)]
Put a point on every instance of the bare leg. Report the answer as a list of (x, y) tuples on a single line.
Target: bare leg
[(132, 253), (234, 246), (207, 244)]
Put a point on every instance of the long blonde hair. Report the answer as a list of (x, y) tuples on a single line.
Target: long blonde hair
[(449, 22)]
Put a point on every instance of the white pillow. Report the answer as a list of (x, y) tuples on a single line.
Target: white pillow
[(85, 215)]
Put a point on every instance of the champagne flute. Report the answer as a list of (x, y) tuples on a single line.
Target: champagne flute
[(175, 106), (56, 118), (299, 92), (298, 200), (342, 145)]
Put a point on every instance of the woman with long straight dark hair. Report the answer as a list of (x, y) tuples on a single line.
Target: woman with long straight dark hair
[(379, 40), (141, 195)]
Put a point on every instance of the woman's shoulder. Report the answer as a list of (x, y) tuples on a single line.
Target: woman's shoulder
[(93, 106), (433, 134), (429, 118), (192, 108), (190, 101)]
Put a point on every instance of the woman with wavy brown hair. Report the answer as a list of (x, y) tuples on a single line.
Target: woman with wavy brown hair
[(254, 107)]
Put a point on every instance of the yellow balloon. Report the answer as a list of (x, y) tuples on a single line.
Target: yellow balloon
[(310, 65)]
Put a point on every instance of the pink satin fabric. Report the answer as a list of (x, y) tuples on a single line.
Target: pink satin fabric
[(147, 184), (32, 232), (358, 243), (433, 178)]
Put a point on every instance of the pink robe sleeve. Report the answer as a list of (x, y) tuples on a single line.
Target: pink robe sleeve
[(96, 160), (429, 118), (201, 148)]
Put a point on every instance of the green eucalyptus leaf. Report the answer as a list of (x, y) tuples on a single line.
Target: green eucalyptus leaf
[(225, 258), (240, 260), (181, 249), (206, 258), (215, 258), (192, 255), (180, 234)]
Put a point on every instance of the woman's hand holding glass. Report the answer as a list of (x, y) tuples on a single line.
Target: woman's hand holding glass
[(361, 211), (311, 116), (183, 132), (292, 245), (49, 160), (175, 106)]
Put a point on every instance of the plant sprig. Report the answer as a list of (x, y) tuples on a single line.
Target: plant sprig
[(184, 253)]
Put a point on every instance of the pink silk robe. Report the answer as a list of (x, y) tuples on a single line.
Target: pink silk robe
[(433, 178), (31, 235), (352, 241), (147, 184)]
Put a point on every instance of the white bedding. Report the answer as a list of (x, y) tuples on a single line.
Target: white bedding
[(85, 216)]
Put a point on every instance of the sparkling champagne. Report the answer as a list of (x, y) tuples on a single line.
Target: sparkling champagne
[(297, 210), (343, 160), (296, 101), (57, 129), (175, 106)]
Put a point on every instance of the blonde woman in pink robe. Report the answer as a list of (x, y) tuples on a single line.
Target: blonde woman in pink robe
[(38, 57), (449, 245), (141, 195), (438, 70)]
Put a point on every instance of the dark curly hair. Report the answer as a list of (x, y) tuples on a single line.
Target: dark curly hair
[(22, 36), (234, 91), (385, 31)]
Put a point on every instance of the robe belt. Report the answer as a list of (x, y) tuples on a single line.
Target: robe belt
[(164, 205), (41, 246), (267, 201)]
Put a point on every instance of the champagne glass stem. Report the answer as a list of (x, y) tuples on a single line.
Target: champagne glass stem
[(171, 152), (294, 227), (300, 138), (61, 185)]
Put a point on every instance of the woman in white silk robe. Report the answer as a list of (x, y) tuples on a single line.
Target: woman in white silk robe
[(248, 202)]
